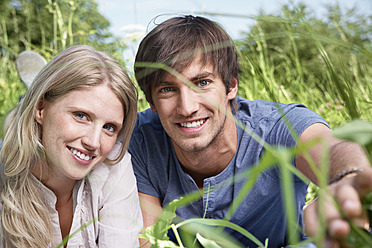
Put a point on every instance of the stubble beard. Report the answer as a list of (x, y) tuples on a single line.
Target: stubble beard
[(195, 148)]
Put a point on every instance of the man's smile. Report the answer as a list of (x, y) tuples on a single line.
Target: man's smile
[(192, 124)]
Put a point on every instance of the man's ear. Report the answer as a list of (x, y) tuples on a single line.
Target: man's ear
[(39, 112), (152, 107), (233, 89)]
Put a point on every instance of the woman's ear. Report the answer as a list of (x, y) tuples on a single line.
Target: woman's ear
[(39, 112)]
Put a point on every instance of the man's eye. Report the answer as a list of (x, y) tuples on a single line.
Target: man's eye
[(109, 128), (202, 83), (165, 90)]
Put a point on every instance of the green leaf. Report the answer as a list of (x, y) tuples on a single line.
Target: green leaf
[(222, 223), (358, 131), (359, 237), (152, 236), (65, 240), (207, 243), (158, 233)]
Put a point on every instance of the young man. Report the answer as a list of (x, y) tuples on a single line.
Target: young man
[(189, 141)]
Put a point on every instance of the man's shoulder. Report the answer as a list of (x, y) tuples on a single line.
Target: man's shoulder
[(148, 131), (263, 109), (148, 119), (147, 116), (245, 104)]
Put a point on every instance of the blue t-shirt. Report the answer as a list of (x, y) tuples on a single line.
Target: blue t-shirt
[(160, 174)]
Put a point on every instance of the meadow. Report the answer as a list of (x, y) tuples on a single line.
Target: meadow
[(324, 64)]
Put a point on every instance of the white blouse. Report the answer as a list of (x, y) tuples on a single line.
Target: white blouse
[(107, 202)]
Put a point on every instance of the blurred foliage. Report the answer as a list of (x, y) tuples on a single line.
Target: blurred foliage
[(324, 63), (49, 26), (360, 132)]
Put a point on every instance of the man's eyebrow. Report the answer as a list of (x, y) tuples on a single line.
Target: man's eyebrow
[(163, 83), (201, 75), (192, 79)]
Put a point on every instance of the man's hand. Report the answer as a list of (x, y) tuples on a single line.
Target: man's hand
[(343, 202)]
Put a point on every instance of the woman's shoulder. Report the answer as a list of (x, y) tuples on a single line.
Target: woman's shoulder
[(107, 178)]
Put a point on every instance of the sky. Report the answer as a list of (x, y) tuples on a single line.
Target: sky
[(131, 19)]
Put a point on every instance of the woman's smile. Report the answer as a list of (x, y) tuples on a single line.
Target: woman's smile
[(80, 155)]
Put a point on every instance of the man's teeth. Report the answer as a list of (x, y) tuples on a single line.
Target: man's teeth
[(81, 155), (192, 124)]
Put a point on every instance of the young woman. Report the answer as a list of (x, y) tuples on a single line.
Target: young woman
[(67, 174)]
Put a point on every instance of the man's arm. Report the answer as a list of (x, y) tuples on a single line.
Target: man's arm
[(344, 157), (151, 211)]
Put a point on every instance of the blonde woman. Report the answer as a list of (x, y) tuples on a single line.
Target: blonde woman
[(67, 174)]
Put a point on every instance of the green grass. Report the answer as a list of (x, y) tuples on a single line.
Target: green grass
[(336, 83)]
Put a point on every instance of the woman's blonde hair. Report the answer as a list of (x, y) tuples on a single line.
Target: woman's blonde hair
[(25, 221)]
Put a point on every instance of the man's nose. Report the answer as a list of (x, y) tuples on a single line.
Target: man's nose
[(187, 102)]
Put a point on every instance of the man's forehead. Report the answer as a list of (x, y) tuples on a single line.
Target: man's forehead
[(189, 76), (198, 68)]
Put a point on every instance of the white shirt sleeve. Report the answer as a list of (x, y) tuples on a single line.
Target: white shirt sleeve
[(119, 213)]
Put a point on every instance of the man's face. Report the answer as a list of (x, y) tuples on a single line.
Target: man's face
[(194, 117)]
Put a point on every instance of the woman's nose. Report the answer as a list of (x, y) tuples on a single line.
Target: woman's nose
[(91, 139)]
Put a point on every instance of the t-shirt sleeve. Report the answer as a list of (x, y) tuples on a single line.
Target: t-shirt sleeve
[(140, 161), (294, 121)]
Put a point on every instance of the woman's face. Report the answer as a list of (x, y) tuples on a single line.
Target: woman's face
[(79, 130)]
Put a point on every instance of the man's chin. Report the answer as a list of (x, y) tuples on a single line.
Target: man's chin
[(191, 146)]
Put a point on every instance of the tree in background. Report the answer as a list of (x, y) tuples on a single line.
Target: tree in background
[(47, 27), (51, 25)]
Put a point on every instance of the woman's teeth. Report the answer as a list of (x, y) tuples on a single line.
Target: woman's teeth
[(192, 124), (81, 155)]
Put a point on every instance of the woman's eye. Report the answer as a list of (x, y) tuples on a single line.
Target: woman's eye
[(202, 83), (80, 115), (109, 128)]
